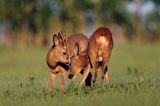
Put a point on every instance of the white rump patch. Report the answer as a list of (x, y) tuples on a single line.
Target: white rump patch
[(103, 41)]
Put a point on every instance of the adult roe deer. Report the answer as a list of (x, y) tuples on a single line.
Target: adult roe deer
[(97, 54)]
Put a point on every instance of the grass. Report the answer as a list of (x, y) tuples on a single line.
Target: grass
[(133, 70)]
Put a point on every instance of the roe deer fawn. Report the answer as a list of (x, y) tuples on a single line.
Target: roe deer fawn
[(97, 54), (60, 53)]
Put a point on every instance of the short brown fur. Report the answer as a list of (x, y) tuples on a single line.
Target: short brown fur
[(99, 50), (62, 51)]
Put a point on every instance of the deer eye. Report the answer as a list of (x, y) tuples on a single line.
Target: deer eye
[(64, 53)]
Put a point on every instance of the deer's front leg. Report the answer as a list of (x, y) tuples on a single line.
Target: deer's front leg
[(85, 74), (53, 77), (63, 79), (52, 81)]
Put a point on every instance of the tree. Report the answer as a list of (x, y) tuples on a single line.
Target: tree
[(22, 15)]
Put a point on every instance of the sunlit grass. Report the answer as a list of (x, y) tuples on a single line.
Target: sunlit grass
[(133, 70)]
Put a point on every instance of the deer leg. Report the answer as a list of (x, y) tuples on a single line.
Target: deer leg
[(75, 75), (93, 58), (53, 77), (105, 70), (52, 81), (88, 80), (102, 72), (95, 72), (85, 74), (106, 74), (94, 64), (63, 79), (101, 76), (107, 77), (95, 75)]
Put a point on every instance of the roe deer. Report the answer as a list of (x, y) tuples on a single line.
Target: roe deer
[(61, 52), (97, 54), (56, 58)]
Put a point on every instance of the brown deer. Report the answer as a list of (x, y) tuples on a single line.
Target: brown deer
[(97, 55), (60, 53), (56, 55)]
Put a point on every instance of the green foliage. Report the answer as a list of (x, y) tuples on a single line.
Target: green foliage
[(18, 10), (24, 12), (115, 10), (153, 17), (152, 25), (83, 4), (34, 15), (157, 2)]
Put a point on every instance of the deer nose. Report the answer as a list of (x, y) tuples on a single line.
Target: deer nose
[(70, 76)]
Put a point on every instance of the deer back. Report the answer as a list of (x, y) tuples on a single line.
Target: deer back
[(79, 39)]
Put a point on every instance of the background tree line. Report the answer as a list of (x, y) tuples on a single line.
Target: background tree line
[(32, 22)]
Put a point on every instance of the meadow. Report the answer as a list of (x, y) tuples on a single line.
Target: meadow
[(134, 71)]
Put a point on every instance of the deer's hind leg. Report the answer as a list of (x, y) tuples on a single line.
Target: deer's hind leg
[(104, 68), (104, 72), (95, 72), (93, 60), (106, 76)]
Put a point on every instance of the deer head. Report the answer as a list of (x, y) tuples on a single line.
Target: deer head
[(57, 53), (78, 61)]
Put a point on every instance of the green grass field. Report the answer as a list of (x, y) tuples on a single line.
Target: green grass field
[(134, 71)]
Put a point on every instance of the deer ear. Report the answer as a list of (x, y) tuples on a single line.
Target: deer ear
[(55, 39), (76, 49)]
